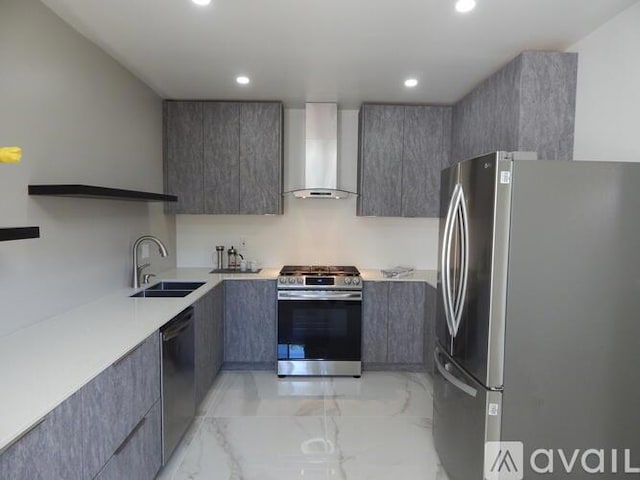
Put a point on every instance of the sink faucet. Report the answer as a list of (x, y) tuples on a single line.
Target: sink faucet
[(137, 270)]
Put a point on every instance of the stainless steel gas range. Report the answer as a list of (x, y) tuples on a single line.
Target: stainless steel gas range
[(319, 321)]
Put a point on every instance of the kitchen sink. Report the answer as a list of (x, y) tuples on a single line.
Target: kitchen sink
[(191, 286), (168, 290)]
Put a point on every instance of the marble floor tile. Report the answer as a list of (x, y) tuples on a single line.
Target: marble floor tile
[(382, 394), (255, 426), (263, 394)]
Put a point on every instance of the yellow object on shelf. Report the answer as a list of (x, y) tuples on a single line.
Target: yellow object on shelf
[(10, 154)]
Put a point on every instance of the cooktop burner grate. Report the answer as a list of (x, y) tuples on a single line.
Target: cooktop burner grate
[(319, 270)]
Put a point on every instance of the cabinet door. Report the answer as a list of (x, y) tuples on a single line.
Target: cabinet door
[(425, 153), (218, 316), (183, 156), (205, 331), (250, 321), (261, 158), (139, 457), (221, 157), (429, 326), (116, 400), (375, 309), (381, 161), (51, 451), (406, 322)]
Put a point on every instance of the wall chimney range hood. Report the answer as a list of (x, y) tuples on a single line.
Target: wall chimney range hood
[(320, 170)]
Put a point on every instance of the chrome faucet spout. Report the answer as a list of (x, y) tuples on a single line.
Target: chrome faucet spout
[(162, 249)]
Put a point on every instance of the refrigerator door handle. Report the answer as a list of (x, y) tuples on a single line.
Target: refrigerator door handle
[(461, 297), (459, 384), (447, 240)]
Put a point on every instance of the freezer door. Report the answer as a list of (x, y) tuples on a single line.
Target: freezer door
[(465, 416), (474, 236)]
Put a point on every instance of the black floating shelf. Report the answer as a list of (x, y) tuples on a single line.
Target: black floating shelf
[(19, 233), (92, 191)]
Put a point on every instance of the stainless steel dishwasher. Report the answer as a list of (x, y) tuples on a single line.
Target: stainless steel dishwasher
[(178, 383)]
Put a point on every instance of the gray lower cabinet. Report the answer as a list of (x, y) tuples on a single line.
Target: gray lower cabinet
[(402, 151), (375, 313), (116, 400), (50, 451), (395, 315), (224, 157), (406, 322), (250, 321), (208, 340), (430, 327), (139, 457)]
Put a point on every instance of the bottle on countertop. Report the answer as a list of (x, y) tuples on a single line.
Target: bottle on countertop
[(220, 257)]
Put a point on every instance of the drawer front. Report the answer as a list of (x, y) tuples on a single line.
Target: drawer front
[(50, 451), (139, 457), (116, 400)]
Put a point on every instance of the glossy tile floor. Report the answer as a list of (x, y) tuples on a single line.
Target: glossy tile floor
[(254, 426)]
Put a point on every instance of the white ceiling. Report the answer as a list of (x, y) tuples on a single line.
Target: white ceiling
[(347, 51)]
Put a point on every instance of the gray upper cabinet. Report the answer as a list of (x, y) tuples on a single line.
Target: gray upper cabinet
[(406, 322), (250, 321), (528, 105), (221, 161), (425, 153), (51, 450), (224, 157), (402, 151), (380, 160), (261, 158), (116, 400), (183, 154)]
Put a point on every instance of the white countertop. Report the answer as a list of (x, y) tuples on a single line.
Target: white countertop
[(429, 276), (44, 364)]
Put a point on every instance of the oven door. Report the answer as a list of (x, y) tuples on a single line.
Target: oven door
[(319, 325)]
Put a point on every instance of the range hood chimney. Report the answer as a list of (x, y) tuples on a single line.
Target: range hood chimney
[(321, 153)]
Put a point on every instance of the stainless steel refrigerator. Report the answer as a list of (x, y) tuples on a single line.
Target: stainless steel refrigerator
[(538, 320)]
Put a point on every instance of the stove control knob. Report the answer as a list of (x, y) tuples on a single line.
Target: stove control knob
[(299, 280), (347, 280), (282, 280), (356, 281)]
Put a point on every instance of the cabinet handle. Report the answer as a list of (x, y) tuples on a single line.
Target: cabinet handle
[(130, 436), (124, 357), (24, 434)]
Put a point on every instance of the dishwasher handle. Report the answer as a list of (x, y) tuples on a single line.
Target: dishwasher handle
[(177, 325)]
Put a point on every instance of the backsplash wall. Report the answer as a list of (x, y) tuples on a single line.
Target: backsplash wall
[(313, 231), (80, 117)]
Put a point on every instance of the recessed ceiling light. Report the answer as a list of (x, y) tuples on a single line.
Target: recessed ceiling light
[(202, 3), (464, 6), (411, 82), (242, 80)]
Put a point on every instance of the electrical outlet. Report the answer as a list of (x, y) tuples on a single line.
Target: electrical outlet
[(144, 250)]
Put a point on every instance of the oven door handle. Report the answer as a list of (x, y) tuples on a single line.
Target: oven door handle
[(320, 295)]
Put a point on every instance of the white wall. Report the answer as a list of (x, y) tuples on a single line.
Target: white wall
[(608, 97), (80, 118), (313, 231)]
